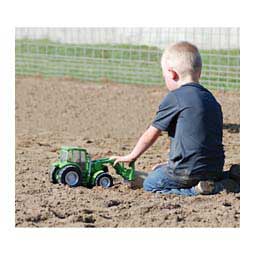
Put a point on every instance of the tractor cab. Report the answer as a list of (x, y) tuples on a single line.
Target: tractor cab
[(74, 155)]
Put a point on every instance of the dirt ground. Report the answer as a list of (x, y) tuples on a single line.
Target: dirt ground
[(106, 120)]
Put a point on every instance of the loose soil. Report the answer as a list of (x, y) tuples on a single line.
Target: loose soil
[(106, 119)]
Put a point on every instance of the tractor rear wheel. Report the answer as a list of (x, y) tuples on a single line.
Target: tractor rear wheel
[(52, 175), (70, 176), (104, 180)]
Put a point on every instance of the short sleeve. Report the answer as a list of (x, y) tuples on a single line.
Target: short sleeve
[(168, 109)]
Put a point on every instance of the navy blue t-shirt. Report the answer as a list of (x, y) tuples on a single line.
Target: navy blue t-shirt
[(193, 119)]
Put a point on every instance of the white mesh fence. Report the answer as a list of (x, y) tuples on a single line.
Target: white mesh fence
[(125, 55)]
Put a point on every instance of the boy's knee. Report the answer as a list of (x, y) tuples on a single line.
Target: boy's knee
[(147, 185), (152, 181)]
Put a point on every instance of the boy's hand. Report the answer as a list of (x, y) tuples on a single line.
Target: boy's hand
[(127, 159)]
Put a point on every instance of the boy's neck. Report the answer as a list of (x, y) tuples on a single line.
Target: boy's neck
[(187, 80)]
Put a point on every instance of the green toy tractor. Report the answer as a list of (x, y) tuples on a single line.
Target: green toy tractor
[(75, 167)]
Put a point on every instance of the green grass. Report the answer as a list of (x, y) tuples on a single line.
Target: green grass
[(122, 63)]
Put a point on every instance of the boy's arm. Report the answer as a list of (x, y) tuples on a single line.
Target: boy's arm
[(144, 142)]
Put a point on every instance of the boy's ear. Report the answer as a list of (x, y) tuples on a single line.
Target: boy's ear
[(173, 74)]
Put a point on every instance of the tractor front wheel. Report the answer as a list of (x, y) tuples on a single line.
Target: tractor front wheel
[(104, 180), (70, 176)]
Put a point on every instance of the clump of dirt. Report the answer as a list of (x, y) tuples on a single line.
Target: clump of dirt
[(107, 120)]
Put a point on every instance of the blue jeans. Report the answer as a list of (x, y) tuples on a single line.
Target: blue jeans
[(162, 181)]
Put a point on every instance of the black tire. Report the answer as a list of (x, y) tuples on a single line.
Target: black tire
[(70, 176), (104, 180), (52, 174)]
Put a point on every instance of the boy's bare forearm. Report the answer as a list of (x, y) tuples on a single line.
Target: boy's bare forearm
[(145, 142)]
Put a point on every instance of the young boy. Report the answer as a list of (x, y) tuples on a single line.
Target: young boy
[(193, 119)]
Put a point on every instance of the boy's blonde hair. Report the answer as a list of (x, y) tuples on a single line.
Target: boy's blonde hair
[(184, 57)]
